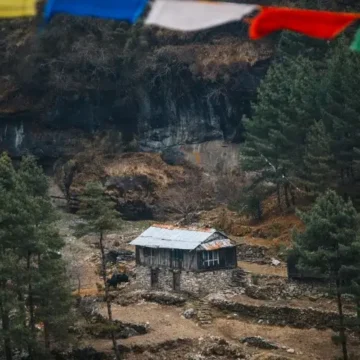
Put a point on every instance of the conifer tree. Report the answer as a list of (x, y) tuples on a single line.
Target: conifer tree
[(317, 173), (100, 217), (27, 235), (39, 239), (275, 136), (326, 245), (340, 108), (8, 226)]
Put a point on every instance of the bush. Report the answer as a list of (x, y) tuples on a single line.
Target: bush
[(255, 279)]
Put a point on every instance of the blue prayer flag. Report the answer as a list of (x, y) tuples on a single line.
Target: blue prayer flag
[(128, 10)]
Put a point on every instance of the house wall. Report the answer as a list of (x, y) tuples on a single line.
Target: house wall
[(191, 260), (166, 258), (191, 282)]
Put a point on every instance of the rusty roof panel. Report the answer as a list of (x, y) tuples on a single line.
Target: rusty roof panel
[(216, 244)]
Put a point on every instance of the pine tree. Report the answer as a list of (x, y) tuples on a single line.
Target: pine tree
[(9, 202), (317, 174), (39, 239), (275, 136), (100, 217), (27, 235), (326, 245), (53, 295), (340, 108)]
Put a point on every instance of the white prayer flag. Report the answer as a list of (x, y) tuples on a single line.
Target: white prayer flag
[(186, 15)]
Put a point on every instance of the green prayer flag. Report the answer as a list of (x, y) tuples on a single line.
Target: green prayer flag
[(355, 45)]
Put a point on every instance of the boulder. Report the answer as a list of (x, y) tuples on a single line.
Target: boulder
[(114, 256), (275, 262), (173, 156), (259, 342), (189, 313)]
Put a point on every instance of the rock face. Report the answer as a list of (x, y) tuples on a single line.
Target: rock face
[(158, 87)]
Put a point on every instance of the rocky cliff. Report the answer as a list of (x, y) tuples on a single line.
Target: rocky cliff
[(79, 76)]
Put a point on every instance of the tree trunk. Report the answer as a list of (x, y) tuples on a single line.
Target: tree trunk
[(292, 194), (286, 190), (278, 196), (358, 310), (31, 305), (259, 210), (5, 322), (107, 298), (341, 318), (46, 336)]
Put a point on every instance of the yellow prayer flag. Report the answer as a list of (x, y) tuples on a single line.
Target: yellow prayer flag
[(17, 8)]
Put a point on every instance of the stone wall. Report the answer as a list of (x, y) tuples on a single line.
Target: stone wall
[(270, 287), (286, 315), (246, 252), (190, 282)]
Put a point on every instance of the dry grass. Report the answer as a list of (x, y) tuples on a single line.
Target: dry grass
[(87, 292), (263, 269), (150, 165)]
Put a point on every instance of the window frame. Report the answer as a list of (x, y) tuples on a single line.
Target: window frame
[(211, 259)]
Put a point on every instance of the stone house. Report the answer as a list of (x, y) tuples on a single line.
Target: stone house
[(189, 260)]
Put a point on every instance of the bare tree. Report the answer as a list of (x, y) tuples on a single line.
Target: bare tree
[(187, 198)]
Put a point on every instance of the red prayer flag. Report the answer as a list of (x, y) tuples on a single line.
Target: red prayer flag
[(318, 24)]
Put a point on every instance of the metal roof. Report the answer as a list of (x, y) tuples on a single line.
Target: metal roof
[(216, 244), (174, 238)]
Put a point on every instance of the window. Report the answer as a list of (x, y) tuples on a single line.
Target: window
[(211, 258), (178, 255)]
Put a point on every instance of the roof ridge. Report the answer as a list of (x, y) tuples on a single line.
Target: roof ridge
[(176, 227)]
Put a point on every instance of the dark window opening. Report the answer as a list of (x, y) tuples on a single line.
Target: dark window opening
[(176, 281), (154, 278), (177, 258)]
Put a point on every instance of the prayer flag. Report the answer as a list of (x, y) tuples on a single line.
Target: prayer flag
[(355, 45), (318, 24), (17, 8), (128, 10), (186, 15)]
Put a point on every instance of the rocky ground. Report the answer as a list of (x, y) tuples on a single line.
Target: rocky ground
[(268, 318)]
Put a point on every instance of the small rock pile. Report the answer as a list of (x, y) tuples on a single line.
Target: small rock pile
[(159, 297), (259, 342)]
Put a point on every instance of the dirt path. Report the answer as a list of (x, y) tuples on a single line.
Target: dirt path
[(263, 269), (308, 344), (166, 323)]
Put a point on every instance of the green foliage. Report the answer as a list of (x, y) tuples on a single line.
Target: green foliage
[(99, 215), (304, 134), (28, 243), (326, 245), (340, 107), (97, 210), (318, 162), (275, 136), (329, 246)]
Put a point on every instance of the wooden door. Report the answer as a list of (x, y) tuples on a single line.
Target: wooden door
[(176, 281), (154, 278)]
